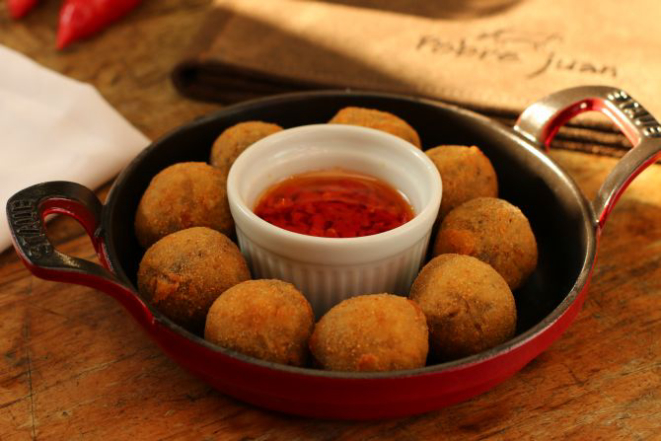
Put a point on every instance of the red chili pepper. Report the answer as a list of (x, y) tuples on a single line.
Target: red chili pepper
[(82, 18), (19, 8)]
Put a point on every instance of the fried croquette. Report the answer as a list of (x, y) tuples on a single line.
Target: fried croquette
[(266, 319), (468, 305), (184, 195), (376, 119), (234, 140), (494, 231), (369, 333), (466, 172), (183, 273)]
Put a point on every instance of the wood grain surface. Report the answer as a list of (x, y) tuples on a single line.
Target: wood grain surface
[(74, 366)]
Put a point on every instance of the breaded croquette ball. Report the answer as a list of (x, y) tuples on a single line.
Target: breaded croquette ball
[(184, 195), (494, 231), (468, 305), (266, 319), (467, 174), (234, 140), (369, 333), (376, 119), (183, 273)]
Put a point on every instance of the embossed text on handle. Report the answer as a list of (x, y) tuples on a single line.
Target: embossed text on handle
[(28, 228), (640, 116)]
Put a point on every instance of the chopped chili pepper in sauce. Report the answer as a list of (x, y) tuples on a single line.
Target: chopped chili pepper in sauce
[(334, 203)]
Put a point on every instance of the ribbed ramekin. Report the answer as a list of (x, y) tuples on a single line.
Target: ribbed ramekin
[(329, 270)]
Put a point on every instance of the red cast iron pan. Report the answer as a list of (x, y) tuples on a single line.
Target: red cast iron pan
[(567, 227)]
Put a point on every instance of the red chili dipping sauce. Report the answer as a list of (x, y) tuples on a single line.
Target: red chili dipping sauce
[(334, 203)]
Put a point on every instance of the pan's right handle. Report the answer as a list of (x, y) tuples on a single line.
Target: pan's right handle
[(541, 121)]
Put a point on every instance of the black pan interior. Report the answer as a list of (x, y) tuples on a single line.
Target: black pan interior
[(551, 201)]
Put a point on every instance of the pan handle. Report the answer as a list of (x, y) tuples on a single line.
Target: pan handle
[(541, 121), (26, 213)]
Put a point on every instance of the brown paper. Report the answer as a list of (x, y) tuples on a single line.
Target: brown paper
[(496, 60)]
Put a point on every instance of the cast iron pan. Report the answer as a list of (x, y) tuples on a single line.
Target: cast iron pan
[(566, 225)]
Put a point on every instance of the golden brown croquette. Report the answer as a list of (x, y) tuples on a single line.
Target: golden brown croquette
[(376, 332), (234, 140), (266, 319), (183, 273), (184, 195), (376, 119), (468, 305), (466, 173), (494, 231)]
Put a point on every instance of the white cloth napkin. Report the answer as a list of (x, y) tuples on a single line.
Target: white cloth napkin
[(55, 128)]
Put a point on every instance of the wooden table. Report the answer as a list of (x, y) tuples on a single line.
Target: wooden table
[(74, 365)]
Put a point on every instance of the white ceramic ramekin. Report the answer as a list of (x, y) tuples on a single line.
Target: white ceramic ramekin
[(329, 270)]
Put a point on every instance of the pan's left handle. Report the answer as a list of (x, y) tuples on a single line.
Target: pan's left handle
[(26, 213), (541, 121)]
